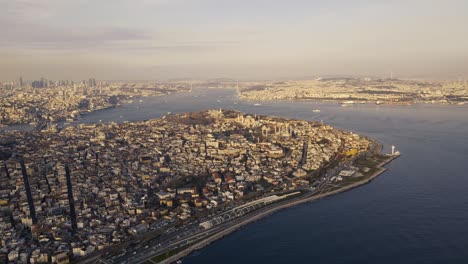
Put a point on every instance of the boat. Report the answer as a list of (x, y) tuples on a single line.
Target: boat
[(257, 104), (316, 110), (141, 101)]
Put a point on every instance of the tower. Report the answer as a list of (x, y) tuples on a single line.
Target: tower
[(71, 201), (32, 209)]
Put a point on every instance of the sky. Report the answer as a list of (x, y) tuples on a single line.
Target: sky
[(239, 39)]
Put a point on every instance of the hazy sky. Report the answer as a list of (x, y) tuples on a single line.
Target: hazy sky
[(159, 39)]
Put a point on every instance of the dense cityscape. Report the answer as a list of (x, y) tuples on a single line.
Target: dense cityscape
[(360, 90), (92, 186), (198, 132), (44, 101)]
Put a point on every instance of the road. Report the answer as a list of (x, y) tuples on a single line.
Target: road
[(194, 233)]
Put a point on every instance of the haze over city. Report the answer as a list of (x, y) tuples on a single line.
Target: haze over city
[(215, 131), (259, 39)]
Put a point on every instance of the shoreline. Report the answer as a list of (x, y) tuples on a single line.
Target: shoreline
[(231, 229), (358, 102), (6, 127)]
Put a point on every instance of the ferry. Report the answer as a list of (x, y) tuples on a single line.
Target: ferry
[(316, 111)]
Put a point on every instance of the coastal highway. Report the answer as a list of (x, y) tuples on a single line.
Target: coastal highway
[(194, 233)]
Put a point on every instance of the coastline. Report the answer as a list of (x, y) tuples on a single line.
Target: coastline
[(357, 101), (12, 126), (201, 244)]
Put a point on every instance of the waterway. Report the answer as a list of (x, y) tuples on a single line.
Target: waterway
[(416, 212)]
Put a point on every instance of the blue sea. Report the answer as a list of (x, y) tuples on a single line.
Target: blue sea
[(416, 212)]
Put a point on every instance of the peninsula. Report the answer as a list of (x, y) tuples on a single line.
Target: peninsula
[(155, 190)]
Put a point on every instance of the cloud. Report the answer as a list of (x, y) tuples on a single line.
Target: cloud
[(47, 37)]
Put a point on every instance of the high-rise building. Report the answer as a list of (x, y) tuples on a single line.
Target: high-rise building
[(92, 82)]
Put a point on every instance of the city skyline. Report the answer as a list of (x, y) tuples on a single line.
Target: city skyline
[(129, 40)]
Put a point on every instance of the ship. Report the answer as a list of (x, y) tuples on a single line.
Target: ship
[(347, 103), (316, 111)]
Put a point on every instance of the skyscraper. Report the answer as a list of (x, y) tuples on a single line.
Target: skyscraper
[(92, 82)]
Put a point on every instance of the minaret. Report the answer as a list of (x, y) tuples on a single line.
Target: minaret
[(32, 209), (71, 201)]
